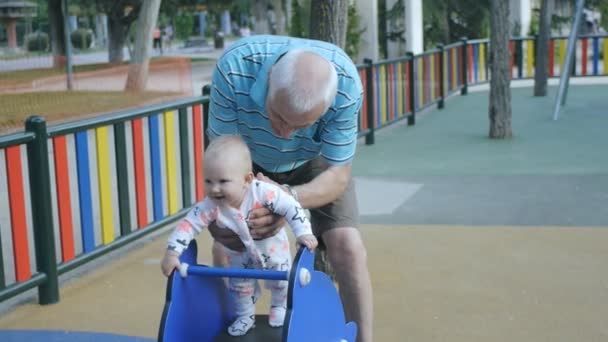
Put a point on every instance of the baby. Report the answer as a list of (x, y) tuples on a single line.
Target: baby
[(231, 192)]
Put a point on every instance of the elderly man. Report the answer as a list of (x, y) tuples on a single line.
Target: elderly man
[(295, 102)]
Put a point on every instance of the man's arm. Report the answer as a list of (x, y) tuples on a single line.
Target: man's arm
[(339, 138), (325, 188)]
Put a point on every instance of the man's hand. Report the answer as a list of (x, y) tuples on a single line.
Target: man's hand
[(170, 262), (226, 237), (263, 223)]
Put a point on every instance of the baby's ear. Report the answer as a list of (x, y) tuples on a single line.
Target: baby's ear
[(249, 177)]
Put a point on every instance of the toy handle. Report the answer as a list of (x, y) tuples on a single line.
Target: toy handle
[(186, 270)]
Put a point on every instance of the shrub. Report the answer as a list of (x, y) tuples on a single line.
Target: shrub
[(81, 38), (183, 25), (37, 41)]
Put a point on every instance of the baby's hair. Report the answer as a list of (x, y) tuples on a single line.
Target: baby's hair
[(229, 148)]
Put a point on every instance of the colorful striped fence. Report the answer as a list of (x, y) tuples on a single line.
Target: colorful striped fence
[(147, 162)]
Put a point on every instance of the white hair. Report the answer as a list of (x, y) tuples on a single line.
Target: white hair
[(302, 96)]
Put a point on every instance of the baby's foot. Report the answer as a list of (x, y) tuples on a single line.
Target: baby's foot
[(276, 316), (241, 325)]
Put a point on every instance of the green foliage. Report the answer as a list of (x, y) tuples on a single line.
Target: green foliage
[(464, 18), (535, 23), (602, 7), (82, 38), (37, 41), (184, 22), (353, 32), (300, 18), (396, 23)]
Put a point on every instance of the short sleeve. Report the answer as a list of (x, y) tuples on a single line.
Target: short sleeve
[(339, 135), (222, 105)]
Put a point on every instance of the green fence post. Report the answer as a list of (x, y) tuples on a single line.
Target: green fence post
[(411, 119), (534, 52), (573, 67), (519, 58), (122, 178), (369, 94), (440, 103), (206, 92), (2, 281), (185, 157), (42, 215), (465, 66)]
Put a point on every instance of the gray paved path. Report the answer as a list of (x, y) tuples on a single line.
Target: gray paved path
[(549, 173)]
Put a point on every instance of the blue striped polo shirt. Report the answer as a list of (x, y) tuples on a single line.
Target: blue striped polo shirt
[(238, 105)]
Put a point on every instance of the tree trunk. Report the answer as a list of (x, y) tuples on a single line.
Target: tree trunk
[(329, 20), (500, 80), (329, 24), (57, 33), (117, 35), (541, 71), (138, 67), (444, 24)]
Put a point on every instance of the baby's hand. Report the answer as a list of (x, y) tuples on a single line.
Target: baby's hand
[(170, 262), (309, 240)]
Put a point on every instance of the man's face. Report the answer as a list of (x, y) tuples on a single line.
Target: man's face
[(284, 121)]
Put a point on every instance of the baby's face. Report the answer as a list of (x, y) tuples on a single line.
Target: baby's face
[(225, 184)]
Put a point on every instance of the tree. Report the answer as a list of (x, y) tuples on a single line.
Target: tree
[(329, 21), (139, 65), (121, 14), (500, 56), (328, 24), (55, 12), (541, 68), (446, 21)]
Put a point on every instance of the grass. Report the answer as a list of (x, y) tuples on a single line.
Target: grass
[(63, 105), (21, 76), (13, 56)]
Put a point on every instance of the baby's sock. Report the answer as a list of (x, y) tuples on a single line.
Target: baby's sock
[(276, 316), (241, 325)]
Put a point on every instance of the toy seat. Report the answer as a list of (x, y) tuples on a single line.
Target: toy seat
[(199, 308)]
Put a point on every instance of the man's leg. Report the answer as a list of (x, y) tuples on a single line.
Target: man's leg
[(348, 258)]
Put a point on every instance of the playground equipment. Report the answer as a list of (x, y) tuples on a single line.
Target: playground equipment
[(198, 306)]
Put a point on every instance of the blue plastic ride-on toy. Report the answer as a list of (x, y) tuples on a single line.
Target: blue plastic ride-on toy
[(198, 307)]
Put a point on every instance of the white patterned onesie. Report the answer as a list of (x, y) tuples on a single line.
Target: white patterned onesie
[(271, 253)]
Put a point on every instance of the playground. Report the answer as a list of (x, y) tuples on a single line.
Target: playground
[(468, 239)]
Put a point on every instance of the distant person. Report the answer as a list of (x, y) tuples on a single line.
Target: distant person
[(157, 40), (168, 36), (232, 192), (244, 31)]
